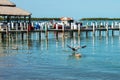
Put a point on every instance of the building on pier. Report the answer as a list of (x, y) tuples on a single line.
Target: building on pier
[(67, 20)]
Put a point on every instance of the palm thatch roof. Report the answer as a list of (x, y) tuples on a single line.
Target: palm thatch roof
[(13, 11), (6, 3), (66, 18), (8, 8)]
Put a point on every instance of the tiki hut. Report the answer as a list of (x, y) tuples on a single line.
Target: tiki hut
[(8, 10), (66, 20)]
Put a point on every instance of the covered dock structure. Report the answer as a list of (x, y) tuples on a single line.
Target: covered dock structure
[(9, 11)]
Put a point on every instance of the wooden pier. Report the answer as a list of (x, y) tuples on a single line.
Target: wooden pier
[(8, 33)]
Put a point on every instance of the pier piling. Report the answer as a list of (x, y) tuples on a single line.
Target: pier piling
[(46, 30), (63, 30), (93, 24), (79, 29), (107, 32), (119, 27)]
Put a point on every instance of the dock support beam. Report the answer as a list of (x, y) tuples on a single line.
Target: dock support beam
[(119, 28), (93, 29), (57, 35), (112, 32), (40, 35), (100, 34), (22, 36), (1, 36), (63, 30), (46, 30), (79, 29), (87, 34), (107, 33)]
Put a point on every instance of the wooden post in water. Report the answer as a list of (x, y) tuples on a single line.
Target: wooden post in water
[(28, 36), (9, 28), (7, 36), (96, 25), (112, 32), (112, 25), (57, 35), (40, 31), (25, 26), (46, 30), (119, 28), (93, 29), (112, 28), (100, 29), (16, 31), (57, 31), (104, 24), (79, 26), (63, 30), (86, 34), (100, 33), (47, 43), (56, 26), (87, 25), (21, 26), (40, 35), (107, 29), (63, 42), (87, 28), (72, 27), (1, 37), (48, 27), (22, 35)]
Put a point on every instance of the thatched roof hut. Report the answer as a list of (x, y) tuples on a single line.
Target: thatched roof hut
[(13, 11), (8, 9), (66, 19)]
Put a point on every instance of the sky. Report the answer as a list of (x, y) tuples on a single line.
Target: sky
[(76, 9)]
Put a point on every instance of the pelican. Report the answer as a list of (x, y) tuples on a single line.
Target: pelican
[(76, 48)]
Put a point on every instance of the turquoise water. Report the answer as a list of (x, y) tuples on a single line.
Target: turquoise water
[(52, 60)]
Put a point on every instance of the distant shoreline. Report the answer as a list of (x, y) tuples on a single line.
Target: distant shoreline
[(100, 19), (58, 19)]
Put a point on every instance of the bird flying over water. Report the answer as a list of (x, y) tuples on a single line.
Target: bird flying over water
[(77, 47)]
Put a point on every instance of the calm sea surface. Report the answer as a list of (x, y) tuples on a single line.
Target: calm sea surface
[(51, 59)]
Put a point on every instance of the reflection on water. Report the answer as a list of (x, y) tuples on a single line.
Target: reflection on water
[(75, 55), (51, 59)]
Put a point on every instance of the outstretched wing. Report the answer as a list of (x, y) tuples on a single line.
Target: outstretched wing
[(69, 46), (83, 46), (76, 48)]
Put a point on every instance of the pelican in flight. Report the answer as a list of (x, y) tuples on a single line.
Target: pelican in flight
[(77, 47)]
